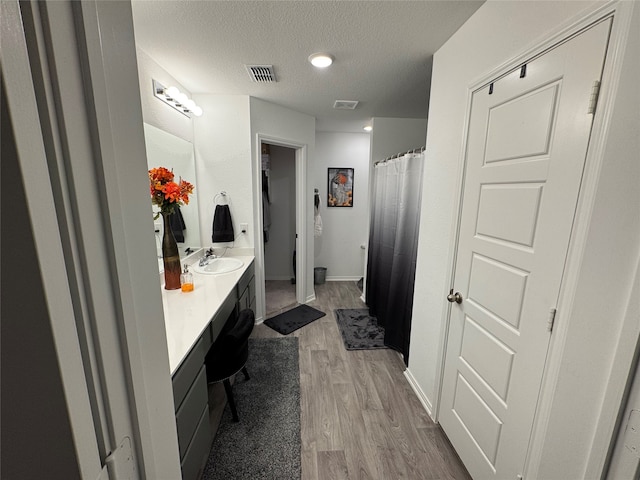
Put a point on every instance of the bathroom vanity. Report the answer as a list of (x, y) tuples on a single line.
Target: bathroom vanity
[(193, 321)]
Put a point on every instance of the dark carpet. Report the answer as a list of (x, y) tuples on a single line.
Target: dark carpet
[(359, 330), (265, 444), (293, 319)]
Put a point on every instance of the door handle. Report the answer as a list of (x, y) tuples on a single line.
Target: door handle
[(454, 297)]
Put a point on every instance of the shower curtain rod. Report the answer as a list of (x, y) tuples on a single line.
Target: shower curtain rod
[(398, 155)]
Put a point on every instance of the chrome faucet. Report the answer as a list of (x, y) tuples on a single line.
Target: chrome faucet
[(208, 255)]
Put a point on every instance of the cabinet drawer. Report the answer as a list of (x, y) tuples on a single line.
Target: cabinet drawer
[(188, 415), (188, 371), (195, 457)]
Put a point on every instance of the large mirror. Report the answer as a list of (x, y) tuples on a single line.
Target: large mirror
[(167, 150)]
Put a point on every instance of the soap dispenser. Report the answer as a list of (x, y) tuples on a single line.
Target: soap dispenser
[(186, 280)]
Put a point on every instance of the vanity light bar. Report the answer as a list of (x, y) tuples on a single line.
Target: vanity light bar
[(175, 98)]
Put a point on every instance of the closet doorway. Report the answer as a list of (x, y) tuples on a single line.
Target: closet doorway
[(280, 220)]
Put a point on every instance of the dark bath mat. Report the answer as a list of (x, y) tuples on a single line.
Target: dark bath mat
[(359, 330), (292, 320)]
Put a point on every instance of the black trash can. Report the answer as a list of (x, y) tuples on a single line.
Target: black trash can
[(319, 275)]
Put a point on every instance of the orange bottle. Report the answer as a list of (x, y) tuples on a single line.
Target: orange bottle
[(186, 280)]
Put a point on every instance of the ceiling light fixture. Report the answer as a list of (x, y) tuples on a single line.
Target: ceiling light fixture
[(367, 128), (321, 60), (175, 98)]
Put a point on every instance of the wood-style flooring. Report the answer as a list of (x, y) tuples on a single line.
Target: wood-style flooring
[(360, 419), (280, 296)]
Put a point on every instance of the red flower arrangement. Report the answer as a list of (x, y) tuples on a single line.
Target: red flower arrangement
[(165, 193)]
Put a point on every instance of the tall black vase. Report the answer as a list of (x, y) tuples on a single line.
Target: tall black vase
[(170, 256)]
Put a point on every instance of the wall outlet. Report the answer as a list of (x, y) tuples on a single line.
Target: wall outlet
[(244, 228)]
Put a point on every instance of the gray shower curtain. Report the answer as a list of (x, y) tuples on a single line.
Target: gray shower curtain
[(393, 245)]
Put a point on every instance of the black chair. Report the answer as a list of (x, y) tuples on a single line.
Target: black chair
[(229, 353)]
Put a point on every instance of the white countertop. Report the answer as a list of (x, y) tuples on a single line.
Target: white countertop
[(186, 315)]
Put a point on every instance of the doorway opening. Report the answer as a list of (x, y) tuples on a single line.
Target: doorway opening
[(280, 247), (279, 227)]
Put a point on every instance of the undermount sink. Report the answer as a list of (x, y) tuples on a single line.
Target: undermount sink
[(218, 265)]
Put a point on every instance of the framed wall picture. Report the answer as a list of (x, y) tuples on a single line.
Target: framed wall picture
[(340, 191)]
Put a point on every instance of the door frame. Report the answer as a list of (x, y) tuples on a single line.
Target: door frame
[(301, 220), (606, 423), (134, 403), (49, 250)]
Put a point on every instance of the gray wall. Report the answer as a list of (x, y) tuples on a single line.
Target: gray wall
[(345, 229)]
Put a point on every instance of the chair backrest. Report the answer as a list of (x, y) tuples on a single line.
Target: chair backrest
[(243, 327), (235, 336)]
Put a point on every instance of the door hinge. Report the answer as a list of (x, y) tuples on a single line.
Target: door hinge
[(551, 320), (120, 463), (593, 99)]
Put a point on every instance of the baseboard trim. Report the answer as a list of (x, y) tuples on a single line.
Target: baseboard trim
[(343, 279), (419, 393)]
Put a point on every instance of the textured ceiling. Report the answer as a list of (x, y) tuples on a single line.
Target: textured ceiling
[(383, 51)]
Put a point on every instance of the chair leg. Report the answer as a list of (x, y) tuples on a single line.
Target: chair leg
[(246, 374), (232, 403)]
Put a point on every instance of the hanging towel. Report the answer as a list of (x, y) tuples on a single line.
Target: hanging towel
[(266, 208), (317, 226), (177, 225), (222, 225), (317, 219)]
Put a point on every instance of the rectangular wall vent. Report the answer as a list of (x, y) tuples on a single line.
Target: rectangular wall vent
[(261, 73), (345, 104)]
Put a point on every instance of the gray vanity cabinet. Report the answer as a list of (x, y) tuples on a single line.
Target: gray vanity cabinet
[(190, 393), (247, 290)]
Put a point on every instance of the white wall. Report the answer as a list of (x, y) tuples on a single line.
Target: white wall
[(394, 135), (345, 229), (223, 162), (613, 241), (278, 251), (154, 111), (282, 123)]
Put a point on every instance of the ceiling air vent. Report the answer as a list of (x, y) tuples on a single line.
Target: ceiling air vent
[(261, 73), (345, 104)]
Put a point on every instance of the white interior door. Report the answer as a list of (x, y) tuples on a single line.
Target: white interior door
[(526, 147)]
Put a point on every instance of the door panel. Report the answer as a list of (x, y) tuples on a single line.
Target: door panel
[(521, 128), (509, 212), (488, 356), (526, 147)]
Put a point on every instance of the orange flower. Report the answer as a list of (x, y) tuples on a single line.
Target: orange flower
[(186, 189), (165, 193), (171, 191)]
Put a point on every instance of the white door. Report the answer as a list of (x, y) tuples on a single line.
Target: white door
[(526, 147)]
